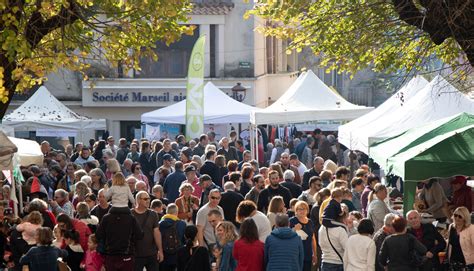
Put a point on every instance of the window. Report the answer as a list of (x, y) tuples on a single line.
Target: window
[(172, 61)]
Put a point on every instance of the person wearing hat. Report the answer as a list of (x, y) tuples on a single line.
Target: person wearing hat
[(206, 184), (462, 194), (193, 180), (168, 163)]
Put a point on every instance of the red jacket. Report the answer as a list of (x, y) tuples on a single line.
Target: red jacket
[(83, 231), (462, 197)]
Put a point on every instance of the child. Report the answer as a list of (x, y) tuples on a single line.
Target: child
[(333, 210), (74, 250), (119, 192), (291, 211), (28, 228), (58, 236), (93, 260), (44, 256)]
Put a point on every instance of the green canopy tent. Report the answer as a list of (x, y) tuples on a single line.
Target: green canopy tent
[(439, 149)]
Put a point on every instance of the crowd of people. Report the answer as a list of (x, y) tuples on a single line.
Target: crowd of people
[(206, 205)]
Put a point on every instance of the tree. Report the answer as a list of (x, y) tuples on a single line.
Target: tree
[(388, 36), (40, 36)]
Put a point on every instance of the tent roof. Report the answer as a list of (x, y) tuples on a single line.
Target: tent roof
[(218, 108), (6, 146), (381, 151), (43, 110), (347, 133), (442, 149), (308, 99), (29, 151), (437, 100)]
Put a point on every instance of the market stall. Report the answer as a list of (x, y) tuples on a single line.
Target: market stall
[(308, 99), (219, 108), (351, 134), (43, 113), (439, 149), (437, 100)]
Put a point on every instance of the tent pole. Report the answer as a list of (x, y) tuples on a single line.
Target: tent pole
[(409, 193), (256, 143), (252, 142)]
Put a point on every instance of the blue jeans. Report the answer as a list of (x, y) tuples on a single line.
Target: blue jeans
[(332, 267)]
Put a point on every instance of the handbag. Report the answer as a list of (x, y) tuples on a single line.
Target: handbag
[(335, 250)]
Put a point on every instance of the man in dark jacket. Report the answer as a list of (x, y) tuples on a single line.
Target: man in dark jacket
[(318, 164), (122, 151), (283, 247), (118, 230), (229, 152), (289, 178), (173, 182), (274, 189), (201, 146), (230, 201), (427, 234), (210, 168), (380, 236)]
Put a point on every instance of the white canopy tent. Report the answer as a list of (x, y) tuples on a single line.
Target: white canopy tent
[(219, 108), (15, 152), (350, 133), (42, 111), (438, 99), (308, 99)]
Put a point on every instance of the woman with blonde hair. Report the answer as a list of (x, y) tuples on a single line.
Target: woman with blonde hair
[(119, 192), (276, 206), (460, 247), (187, 203), (80, 192), (226, 236), (113, 167), (303, 226)]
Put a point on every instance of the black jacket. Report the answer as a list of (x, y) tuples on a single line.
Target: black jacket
[(229, 202), (432, 239), (294, 188), (230, 154), (118, 230), (268, 193), (211, 169), (306, 176)]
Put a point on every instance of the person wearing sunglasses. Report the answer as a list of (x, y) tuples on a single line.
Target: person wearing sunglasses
[(138, 174), (460, 248), (206, 234), (315, 184), (149, 250)]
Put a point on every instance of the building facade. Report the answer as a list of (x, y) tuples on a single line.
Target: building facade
[(234, 53)]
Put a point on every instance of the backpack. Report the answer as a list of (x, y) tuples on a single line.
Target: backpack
[(170, 239)]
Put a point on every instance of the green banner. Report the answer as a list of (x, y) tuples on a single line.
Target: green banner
[(195, 91)]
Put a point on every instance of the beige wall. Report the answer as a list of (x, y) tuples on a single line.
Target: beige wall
[(270, 87)]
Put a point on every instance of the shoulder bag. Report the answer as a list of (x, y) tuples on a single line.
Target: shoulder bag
[(335, 250)]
